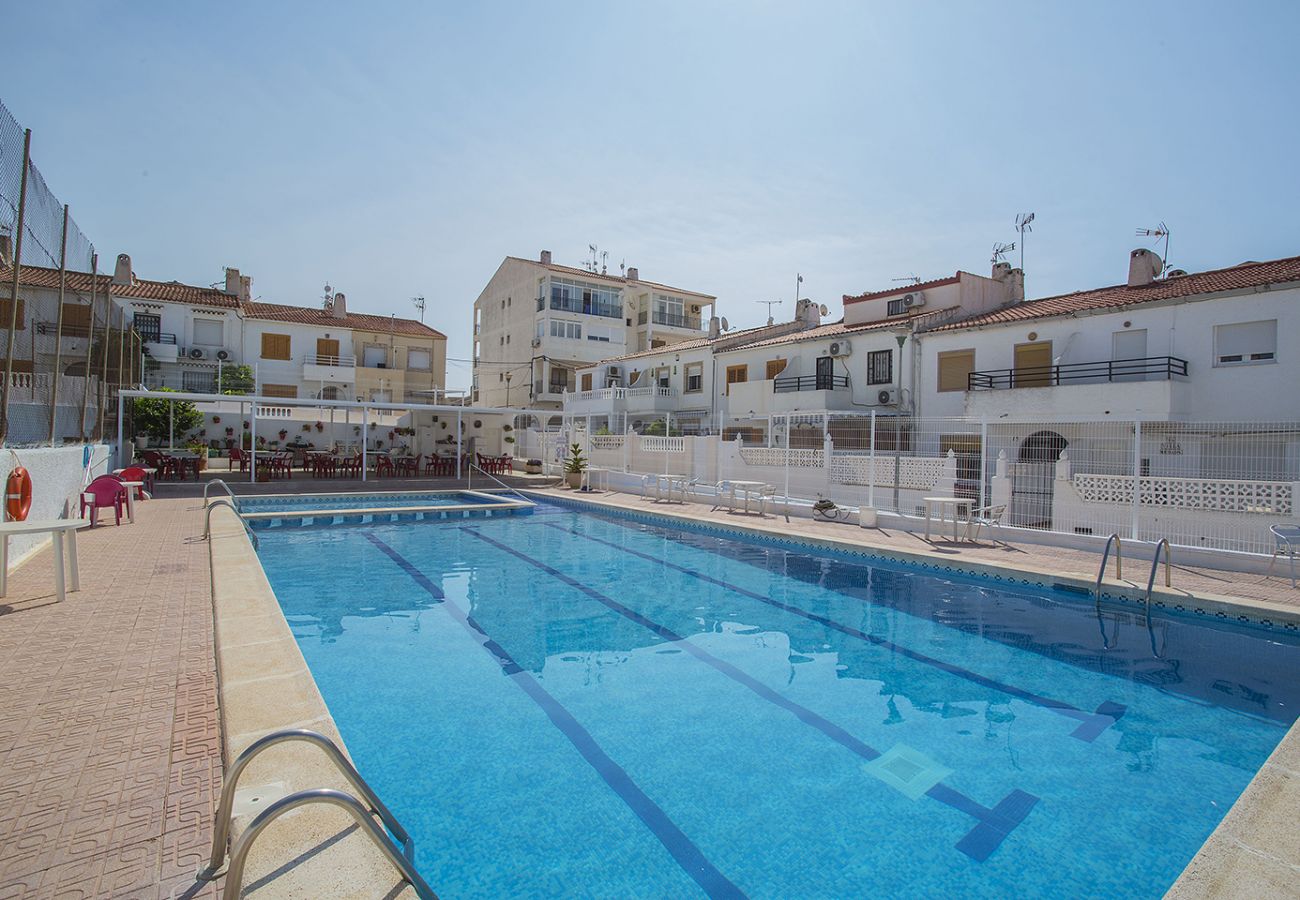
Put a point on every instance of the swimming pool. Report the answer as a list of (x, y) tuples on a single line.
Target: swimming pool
[(575, 704), (374, 500)]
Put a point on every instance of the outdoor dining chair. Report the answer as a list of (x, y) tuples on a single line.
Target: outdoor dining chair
[(1288, 542), (104, 492)]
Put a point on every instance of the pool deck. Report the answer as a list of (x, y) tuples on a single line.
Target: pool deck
[(111, 714)]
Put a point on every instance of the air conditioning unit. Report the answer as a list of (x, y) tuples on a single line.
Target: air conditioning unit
[(197, 353), (886, 398), (840, 348), (913, 300), (615, 371), (223, 355)]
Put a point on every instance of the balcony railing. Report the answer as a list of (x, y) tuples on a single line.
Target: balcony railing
[(573, 305), (810, 383), (555, 387), (316, 359), (1144, 369), (672, 320)]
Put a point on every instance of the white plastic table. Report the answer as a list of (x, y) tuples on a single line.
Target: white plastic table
[(589, 479), (748, 488), (132, 487), (943, 503), (667, 485), (57, 529)]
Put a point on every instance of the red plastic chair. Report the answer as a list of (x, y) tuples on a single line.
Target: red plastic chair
[(384, 466), (137, 473), (103, 492), (238, 456)]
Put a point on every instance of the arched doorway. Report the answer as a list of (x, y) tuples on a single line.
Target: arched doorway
[(1032, 478)]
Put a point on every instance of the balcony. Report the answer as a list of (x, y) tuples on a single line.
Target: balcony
[(621, 399), (586, 307), (329, 369), (671, 320), (810, 383), (1153, 387), (1149, 368)]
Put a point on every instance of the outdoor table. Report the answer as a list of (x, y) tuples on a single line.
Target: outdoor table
[(745, 487), (589, 481), (943, 503), (57, 528), (666, 485), (132, 487), (148, 470)]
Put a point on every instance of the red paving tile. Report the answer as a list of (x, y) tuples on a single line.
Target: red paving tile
[(110, 756)]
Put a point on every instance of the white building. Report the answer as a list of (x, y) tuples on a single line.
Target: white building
[(536, 323)]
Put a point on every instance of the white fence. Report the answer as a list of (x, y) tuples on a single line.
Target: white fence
[(1209, 485)]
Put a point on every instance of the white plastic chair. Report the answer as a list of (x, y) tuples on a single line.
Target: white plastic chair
[(1288, 542), (985, 515)]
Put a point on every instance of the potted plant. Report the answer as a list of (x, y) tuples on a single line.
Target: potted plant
[(356, 429), (200, 450), (574, 466), (216, 420), (533, 467), (320, 426), (230, 432), (307, 427), (284, 433)]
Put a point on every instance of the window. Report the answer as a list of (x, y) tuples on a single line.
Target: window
[(76, 319), (774, 368), (374, 356), (6, 310), (662, 376), (418, 359), (1245, 343), (147, 325), (208, 333), (694, 378), (895, 307), (329, 392), (880, 367), (274, 346), (199, 382), (583, 297), (563, 329), (736, 375), (279, 390), (599, 333), (586, 381), (954, 368), (559, 380)]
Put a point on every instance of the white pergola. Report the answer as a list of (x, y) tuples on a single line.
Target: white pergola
[(255, 402)]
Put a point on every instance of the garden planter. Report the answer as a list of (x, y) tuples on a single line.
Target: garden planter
[(573, 479)]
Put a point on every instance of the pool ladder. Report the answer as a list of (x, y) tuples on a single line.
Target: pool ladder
[(225, 487), (362, 813), (207, 520), (1162, 544)]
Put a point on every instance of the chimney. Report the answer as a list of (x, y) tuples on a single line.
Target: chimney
[(1143, 267), (715, 328), (1017, 285), (1014, 279), (545, 257), (339, 309), (633, 274), (6, 250), (122, 274), (246, 288), (232, 281)]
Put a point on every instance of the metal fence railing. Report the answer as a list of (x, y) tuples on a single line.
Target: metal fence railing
[(1216, 485), (67, 348)]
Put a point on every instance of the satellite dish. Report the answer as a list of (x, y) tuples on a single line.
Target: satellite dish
[(823, 310), (725, 326)]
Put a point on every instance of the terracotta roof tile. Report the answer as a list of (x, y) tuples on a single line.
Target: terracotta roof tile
[(309, 315), (1240, 277), (904, 288)]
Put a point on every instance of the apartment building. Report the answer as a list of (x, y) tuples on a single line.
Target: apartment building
[(536, 323)]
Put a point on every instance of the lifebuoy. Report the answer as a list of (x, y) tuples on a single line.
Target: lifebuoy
[(18, 495)]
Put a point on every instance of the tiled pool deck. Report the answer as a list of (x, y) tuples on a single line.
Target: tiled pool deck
[(110, 742)]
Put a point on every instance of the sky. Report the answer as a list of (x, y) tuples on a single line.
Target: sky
[(396, 150)]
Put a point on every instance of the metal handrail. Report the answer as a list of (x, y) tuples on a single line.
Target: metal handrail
[(1155, 564), (225, 487), (809, 383), (350, 804), (221, 828), (469, 481), (207, 521), (1055, 375), (1096, 591)]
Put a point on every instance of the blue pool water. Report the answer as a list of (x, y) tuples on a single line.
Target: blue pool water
[(569, 704), (289, 503)]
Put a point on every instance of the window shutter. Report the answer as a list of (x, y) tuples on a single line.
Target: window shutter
[(954, 366), (1244, 340)]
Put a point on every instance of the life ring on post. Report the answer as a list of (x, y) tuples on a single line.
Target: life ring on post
[(18, 495)]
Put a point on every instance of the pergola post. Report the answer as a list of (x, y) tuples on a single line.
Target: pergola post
[(458, 447), (252, 441), (365, 430)]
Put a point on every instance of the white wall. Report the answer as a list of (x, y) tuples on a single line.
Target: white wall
[(302, 343), (57, 474)]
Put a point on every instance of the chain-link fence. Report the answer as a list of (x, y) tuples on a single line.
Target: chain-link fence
[(1216, 485), (67, 348)]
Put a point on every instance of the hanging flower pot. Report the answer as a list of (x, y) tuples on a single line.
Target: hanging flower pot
[(320, 426), (306, 428), (229, 431), (283, 434), (246, 425), (216, 420)]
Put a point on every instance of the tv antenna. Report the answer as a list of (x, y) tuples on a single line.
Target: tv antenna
[(910, 279), (328, 298), (770, 304), (418, 302), (604, 257), (1160, 233), (1000, 251), (1023, 226)]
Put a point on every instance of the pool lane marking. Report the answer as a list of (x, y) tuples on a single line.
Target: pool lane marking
[(1092, 724), (687, 855), (993, 824)]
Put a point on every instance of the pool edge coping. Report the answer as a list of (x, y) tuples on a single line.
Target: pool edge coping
[(1241, 857), (251, 634)]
